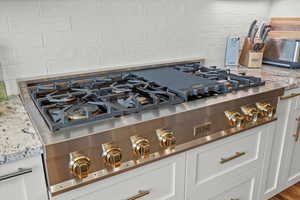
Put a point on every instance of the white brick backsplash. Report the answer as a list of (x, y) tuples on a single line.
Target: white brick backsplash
[(40, 37)]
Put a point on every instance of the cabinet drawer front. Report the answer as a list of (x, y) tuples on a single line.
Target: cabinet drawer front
[(159, 181), (241, 191), (23, 180), (162, 189), (227, 156)]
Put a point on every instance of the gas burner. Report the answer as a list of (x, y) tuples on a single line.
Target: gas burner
[(83, 112), (143, 100), (128, 102), (73, 101)]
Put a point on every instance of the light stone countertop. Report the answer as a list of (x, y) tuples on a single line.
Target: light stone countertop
[(18, 138), (290, 79)]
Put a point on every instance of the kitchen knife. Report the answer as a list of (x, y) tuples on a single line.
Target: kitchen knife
[(262, 29), (253, 34), (251, 29), (265, 36)]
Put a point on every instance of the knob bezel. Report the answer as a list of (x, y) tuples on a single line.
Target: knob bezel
[(140, 145), (79, 165), (112, 154), (235, 119), (166, 138), (266, 109), (251, 113)]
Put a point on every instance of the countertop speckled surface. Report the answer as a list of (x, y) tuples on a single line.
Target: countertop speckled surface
[(18, 139), (290, 79)]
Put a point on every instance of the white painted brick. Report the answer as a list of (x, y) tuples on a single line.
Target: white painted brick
[(77, 46), (92, 23), (83, 38), (31, 54), (121, 8), (19, 8), (28, 70), (54, 8), (164, 8), (22, 40), (39, 24), (71, 65), (3, 24)]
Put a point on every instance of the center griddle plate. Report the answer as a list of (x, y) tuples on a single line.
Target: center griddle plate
[(179, 82)]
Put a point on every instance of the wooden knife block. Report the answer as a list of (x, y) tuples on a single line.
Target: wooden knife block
[(250, 58)]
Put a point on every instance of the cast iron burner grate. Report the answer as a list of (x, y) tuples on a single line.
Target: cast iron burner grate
[(67, 102)]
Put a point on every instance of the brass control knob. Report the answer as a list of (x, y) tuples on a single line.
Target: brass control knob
[(112, 154), (140, 145), (251, 113), (266, 109), (79, 165), (235, 118), (166, 137)]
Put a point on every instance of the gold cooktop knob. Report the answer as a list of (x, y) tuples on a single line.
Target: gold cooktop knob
[(266, 109), (235, 118), (79, 165), (166, 137), (112, 154), (251, 113), (140, 145)]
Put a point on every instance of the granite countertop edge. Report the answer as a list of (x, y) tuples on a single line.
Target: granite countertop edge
[(18, 138)]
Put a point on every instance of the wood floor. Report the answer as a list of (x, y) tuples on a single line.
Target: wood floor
[(292, 193)]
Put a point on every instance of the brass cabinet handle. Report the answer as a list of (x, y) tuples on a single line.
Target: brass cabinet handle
[(237, 155), (289, 96), (21, 171), (296, 135), (141, 193)]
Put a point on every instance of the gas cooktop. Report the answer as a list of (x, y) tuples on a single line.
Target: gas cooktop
[(68, 102)]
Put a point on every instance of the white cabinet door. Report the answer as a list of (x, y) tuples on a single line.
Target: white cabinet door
[(23, 180), (291, 157), (162, 180), (274, 154), (209, 178)]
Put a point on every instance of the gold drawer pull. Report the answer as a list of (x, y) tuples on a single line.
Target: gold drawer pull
[(141, 193), (296, 135), (289, 96), (237, 155)]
